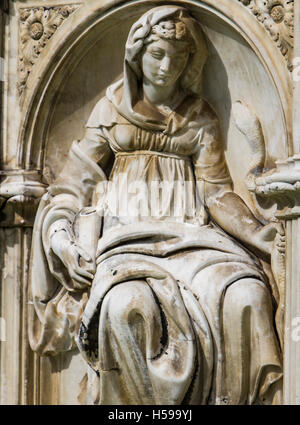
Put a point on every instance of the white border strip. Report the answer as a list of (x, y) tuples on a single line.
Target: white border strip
[(1, 69), (2, 329)]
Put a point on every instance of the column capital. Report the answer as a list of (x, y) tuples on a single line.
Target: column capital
[(282, 184), (20, 193)]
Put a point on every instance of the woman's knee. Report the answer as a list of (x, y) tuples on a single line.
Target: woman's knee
[(127, 297), (248, 293)]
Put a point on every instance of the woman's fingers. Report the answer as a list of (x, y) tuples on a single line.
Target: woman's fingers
[(79, 279), (82, 277), (271, 231), (83, 253), (84, 273), (87, 263), (89, 267), (280, 243), (281, 230)]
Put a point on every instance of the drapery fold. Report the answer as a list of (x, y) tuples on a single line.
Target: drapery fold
[(55, 307), (178, 312), (189, 333)]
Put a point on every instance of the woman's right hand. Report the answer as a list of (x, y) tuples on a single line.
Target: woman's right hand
[(71, 256)]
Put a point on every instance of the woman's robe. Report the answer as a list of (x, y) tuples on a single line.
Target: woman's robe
[(178, 312)]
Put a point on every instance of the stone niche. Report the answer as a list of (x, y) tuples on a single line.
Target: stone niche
[(59, 58)]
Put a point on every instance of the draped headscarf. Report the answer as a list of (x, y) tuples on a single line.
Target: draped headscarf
[(125, 93)]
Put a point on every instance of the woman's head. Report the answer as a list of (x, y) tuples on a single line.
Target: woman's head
[(166, 44), (166, 52)]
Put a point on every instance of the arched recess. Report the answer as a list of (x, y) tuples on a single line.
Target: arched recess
[(85, 55)]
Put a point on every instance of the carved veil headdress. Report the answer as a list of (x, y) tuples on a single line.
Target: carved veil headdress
[(125, 93)]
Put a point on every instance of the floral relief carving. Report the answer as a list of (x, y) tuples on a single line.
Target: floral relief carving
[(277, 16), (37, 25)]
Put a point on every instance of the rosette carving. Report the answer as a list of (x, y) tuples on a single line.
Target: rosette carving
[(37, 26)]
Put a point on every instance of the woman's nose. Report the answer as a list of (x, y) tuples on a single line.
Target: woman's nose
[(165, 64)]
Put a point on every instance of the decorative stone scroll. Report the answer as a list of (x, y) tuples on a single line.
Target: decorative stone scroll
[(277, 16), (37, 26)]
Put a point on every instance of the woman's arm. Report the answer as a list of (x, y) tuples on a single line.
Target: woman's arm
[(225, 207), (73, 190), (232, 214)]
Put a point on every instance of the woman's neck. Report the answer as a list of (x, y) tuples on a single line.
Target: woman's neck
[(158, 95)]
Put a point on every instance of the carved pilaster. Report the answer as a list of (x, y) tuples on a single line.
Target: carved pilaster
[(18, 364), (283, 186), (20, 192)]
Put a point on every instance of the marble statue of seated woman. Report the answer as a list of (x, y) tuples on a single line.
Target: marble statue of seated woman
[(174, 306)]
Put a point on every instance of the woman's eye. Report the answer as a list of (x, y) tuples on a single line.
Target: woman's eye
[(157, 55)]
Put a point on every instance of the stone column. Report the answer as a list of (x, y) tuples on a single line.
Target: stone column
[(3, 10), (296, 80), (292, 315), (292, 217), (19, 193), (26, 378), (284, 187)]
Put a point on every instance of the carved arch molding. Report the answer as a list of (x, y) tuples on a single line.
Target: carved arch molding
[(53, 39)]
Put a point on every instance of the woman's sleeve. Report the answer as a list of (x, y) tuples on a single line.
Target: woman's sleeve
[(84, 168), (210, 168), (209, 159), (56, 309), (98, 137), (96, 145)]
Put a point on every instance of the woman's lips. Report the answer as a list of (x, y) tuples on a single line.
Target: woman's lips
[(163, 76)]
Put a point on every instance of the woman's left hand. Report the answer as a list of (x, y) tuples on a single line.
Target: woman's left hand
[(265, 238)]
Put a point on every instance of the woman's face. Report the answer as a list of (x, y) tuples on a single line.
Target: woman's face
[(163, 61)]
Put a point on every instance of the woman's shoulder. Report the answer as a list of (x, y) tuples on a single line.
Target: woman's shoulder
[(201, 113), (206, 112), (104, 114)]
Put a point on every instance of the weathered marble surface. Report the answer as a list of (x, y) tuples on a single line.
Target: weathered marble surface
[(246, 79)]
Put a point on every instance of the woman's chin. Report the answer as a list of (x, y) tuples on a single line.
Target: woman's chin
[(160, 82)]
